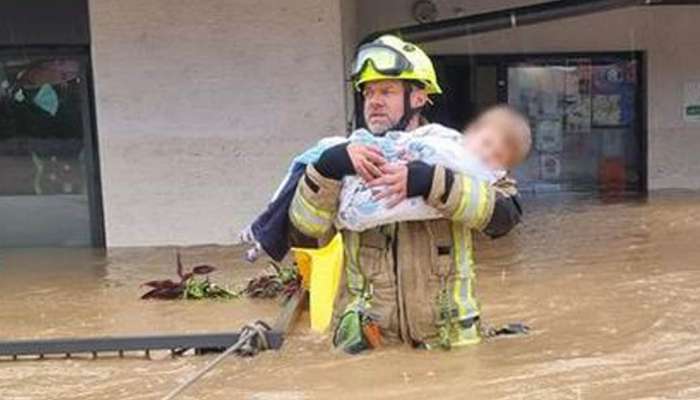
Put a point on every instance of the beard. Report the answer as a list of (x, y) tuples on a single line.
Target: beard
[(380, 127)]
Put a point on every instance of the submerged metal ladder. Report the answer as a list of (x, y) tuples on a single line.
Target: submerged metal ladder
[(177, 344)]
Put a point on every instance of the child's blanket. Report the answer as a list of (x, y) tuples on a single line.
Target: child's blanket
[(433, 144)]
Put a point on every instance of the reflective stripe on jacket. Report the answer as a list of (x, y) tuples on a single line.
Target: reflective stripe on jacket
[(412, 277)]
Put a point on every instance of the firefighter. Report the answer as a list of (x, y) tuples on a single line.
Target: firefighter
[(411, 282)]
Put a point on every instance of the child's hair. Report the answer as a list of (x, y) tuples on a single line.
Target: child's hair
[(513, 124)]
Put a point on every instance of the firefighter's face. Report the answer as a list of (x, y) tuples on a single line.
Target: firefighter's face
[(383, 104)]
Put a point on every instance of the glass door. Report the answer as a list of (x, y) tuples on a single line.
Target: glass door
[(586, 111), (49, 184), (584, 115)]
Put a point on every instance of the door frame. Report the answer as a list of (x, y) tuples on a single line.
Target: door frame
[(503, 61), (89, 122)]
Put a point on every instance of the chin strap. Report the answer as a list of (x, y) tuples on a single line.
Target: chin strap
[(409, 112)]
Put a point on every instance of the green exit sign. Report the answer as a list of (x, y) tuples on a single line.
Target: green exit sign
[(692, 111)]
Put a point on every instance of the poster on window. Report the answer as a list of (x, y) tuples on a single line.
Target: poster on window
[(578, 115), (606, 110), (548, 136), (613, 98), (550, 167), (577, 99)]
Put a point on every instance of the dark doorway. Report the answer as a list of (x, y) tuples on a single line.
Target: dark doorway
[(587, 114)]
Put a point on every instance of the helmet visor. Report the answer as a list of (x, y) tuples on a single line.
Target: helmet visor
[(385, 60)]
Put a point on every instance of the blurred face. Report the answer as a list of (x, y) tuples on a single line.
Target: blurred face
[(384, 104), (491, 146)]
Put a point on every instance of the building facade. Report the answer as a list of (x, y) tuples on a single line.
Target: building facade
[(143, 123)]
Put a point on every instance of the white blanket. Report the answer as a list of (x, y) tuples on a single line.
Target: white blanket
[(433, 144)]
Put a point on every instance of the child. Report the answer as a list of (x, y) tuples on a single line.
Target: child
[(496, 142)]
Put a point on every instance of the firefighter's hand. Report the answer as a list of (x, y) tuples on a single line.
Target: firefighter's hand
[(392, 185), (367, 161)]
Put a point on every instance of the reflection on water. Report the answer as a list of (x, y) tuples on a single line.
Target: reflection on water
[(609, 289)]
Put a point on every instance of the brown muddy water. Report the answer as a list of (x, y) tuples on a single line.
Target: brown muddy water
[(612, 292)]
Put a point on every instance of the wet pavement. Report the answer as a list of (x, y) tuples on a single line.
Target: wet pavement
[(610, 290)]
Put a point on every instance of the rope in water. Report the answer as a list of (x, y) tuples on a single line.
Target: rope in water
[(244, 344)]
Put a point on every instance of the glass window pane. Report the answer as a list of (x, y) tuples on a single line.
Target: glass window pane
[(43, 170), (583, 116), (584, 111)]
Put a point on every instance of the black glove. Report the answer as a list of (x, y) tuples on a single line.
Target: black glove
[(335, 162), (420, 179)]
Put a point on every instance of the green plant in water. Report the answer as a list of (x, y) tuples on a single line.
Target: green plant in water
[(196, 288), (193, 284), (280, 280)]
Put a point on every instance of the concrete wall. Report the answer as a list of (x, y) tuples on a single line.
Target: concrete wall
[(349, 18), (201, 106), (669, 35)]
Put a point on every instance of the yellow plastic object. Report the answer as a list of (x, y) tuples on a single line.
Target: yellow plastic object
[(320, 269), (304, 260)]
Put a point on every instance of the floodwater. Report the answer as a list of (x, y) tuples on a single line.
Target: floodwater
[(611, 291)]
